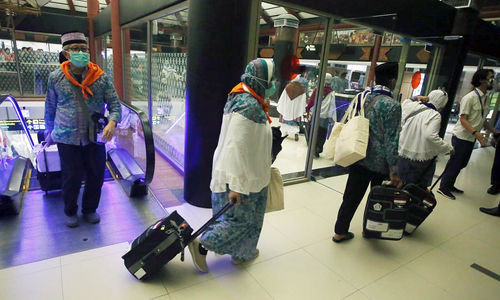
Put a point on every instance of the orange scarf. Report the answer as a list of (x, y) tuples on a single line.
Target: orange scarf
[(243, 88), (93, 73)]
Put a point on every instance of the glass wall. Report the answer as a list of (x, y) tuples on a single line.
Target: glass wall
[(155, 61), (135, 66), (169, 62), (38, 56), (9, 80)]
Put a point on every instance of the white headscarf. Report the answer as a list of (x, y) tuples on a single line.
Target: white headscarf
[(438, 98)]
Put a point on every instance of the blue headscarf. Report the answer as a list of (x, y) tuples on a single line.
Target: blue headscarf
[(257, 75)]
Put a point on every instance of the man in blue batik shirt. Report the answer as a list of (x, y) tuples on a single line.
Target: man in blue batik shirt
[(76, 90)]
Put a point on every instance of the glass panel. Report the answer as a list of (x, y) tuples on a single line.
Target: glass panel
[(14, 140), (9, 82), (135, 67), (129, 136), (287, 42), (169, 59), (38, 57)]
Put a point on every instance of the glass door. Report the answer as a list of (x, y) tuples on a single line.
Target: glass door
[(298, 71)]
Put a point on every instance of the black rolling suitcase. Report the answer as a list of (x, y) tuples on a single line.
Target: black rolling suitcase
[(161, 242), (386, 213), (421, 206)]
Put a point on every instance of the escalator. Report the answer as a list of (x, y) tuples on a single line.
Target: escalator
[(130, 154), (16, 155)]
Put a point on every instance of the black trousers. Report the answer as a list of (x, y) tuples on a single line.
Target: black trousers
[(357, 183), (321, 138), (458, 161), (77, 163), (495, 170)]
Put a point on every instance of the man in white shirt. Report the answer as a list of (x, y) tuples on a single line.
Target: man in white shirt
[(473, 112)]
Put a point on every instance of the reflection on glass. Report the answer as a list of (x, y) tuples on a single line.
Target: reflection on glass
[(288, 105), (136, 67), (169, 60), (9, 83), (13, 139), (129, 135)]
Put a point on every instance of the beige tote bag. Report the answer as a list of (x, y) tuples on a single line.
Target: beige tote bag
[(275, 196), (352, 141), (329, 146)]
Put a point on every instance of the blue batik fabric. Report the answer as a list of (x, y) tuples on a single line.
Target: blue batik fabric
[(237, 232), (62, 106)]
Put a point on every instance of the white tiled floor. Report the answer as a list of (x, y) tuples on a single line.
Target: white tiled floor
[(298, 259)]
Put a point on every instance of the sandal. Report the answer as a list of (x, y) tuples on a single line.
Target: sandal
[(348, 236)]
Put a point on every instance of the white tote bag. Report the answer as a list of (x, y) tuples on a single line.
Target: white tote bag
[(275, 196), (352, 141), (331, 142)]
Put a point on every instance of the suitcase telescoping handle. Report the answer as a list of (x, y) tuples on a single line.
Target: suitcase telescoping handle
[(211, 221)]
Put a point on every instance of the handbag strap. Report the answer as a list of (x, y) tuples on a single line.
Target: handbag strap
[(46, 161), (422, 109), (358, 103), (83, 105)]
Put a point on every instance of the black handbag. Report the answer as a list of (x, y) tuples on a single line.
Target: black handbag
[(97, 121)]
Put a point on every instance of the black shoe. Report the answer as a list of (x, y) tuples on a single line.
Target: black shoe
[(494, 189), (296, 137), (490, 211), (446, 193), (455, 190), (349, 236)]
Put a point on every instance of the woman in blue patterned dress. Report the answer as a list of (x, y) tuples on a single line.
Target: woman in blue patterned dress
[(241, 170)]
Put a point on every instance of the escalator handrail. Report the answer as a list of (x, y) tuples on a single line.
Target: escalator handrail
[(20, 116), (148, 140)]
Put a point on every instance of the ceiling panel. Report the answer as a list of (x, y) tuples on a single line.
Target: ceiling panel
[(276, 11), (268, 5)]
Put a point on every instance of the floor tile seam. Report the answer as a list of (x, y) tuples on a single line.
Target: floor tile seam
[(158, 297), (32, 273), (246, 267), (437, 285), (87, 259), (452, 237), (356, 291), (475, 239), (332, 270), (322, 217), (203, 281), (381, 276), (62, 279), (414, 273), (471, 261), (420, 255), (258, 282)]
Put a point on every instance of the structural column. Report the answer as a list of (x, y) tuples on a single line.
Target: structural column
[(218, 43), (92, 11), (375, 55), (116, 37)]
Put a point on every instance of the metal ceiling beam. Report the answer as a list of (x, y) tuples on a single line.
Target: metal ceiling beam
[(293, 13), (71, 6), (266, 18), (179, 18), (490, 12)]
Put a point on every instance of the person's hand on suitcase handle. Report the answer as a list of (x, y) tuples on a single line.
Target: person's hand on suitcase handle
[(234, 197), (48, 141), (396, 180)]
